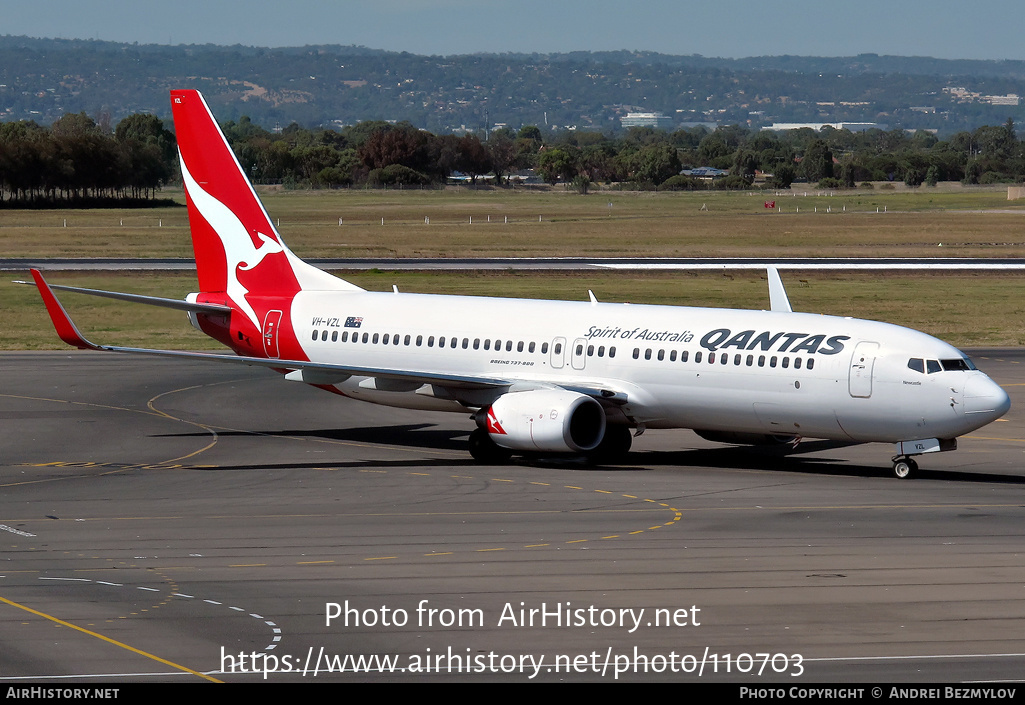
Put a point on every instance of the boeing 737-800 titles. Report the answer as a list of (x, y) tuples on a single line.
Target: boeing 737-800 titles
[(551, 376)]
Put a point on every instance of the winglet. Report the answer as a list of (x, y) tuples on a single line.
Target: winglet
[(66, 328), (778, 300)]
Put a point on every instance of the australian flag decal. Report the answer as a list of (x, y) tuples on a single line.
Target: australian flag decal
[(354, 321)]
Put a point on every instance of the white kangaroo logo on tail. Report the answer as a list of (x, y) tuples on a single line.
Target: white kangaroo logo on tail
[(239, 251)]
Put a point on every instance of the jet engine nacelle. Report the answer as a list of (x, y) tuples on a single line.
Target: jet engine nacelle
[(553, 420)]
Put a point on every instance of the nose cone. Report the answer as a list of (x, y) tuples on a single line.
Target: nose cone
[(984, 400)]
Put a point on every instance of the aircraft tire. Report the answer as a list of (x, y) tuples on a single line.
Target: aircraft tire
[(484, 450), (614, 445), (904, 468)]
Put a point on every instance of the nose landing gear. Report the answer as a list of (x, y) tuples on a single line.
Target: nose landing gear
[(904, 467)]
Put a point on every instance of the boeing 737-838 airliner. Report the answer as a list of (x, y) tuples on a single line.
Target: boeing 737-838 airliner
[(551, 376)]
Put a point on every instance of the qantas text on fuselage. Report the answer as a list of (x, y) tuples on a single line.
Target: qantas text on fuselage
[(724, 338)]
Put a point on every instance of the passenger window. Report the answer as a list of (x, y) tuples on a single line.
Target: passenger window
[(376, 335), (530, 348), (405, 340), (323, 336), (612, 351), (558, 348), (637, 353), (419, 340), (797, 363), (672, 356), (315, 334), (601, 351), (811, 363), (508, 346), (786, 362), (661, 355), (544, 348), (441, 342), (476, 343), (736, 359), (334, 336), (647, 354), (684, 355), (697, 356), (750, 360), (711, 358), (345, 336), (772, 361), (366, 337)]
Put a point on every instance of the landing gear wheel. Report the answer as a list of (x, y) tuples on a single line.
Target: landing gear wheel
[(904, 467), (614, 445), (485, 451)]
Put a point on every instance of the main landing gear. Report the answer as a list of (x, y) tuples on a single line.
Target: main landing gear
[(614, 445), (485, 451), (904, 467)]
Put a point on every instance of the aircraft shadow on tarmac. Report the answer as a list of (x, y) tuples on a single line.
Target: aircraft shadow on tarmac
[(776, 460), (424, 435), (767, 458)]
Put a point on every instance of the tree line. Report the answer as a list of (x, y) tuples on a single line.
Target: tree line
[(383, 154), (77, 161)]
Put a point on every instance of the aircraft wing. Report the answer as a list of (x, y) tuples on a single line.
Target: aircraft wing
[(778, 299), (311, 372), (69, 333)]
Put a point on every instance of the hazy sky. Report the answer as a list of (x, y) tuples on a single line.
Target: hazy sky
[(985, 29)]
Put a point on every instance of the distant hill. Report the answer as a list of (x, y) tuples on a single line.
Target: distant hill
[(42, 79), (847, 65)]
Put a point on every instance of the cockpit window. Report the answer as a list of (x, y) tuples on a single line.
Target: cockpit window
[(933, 366)]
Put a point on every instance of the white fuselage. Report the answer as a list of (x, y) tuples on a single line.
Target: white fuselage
[(728, 370)]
